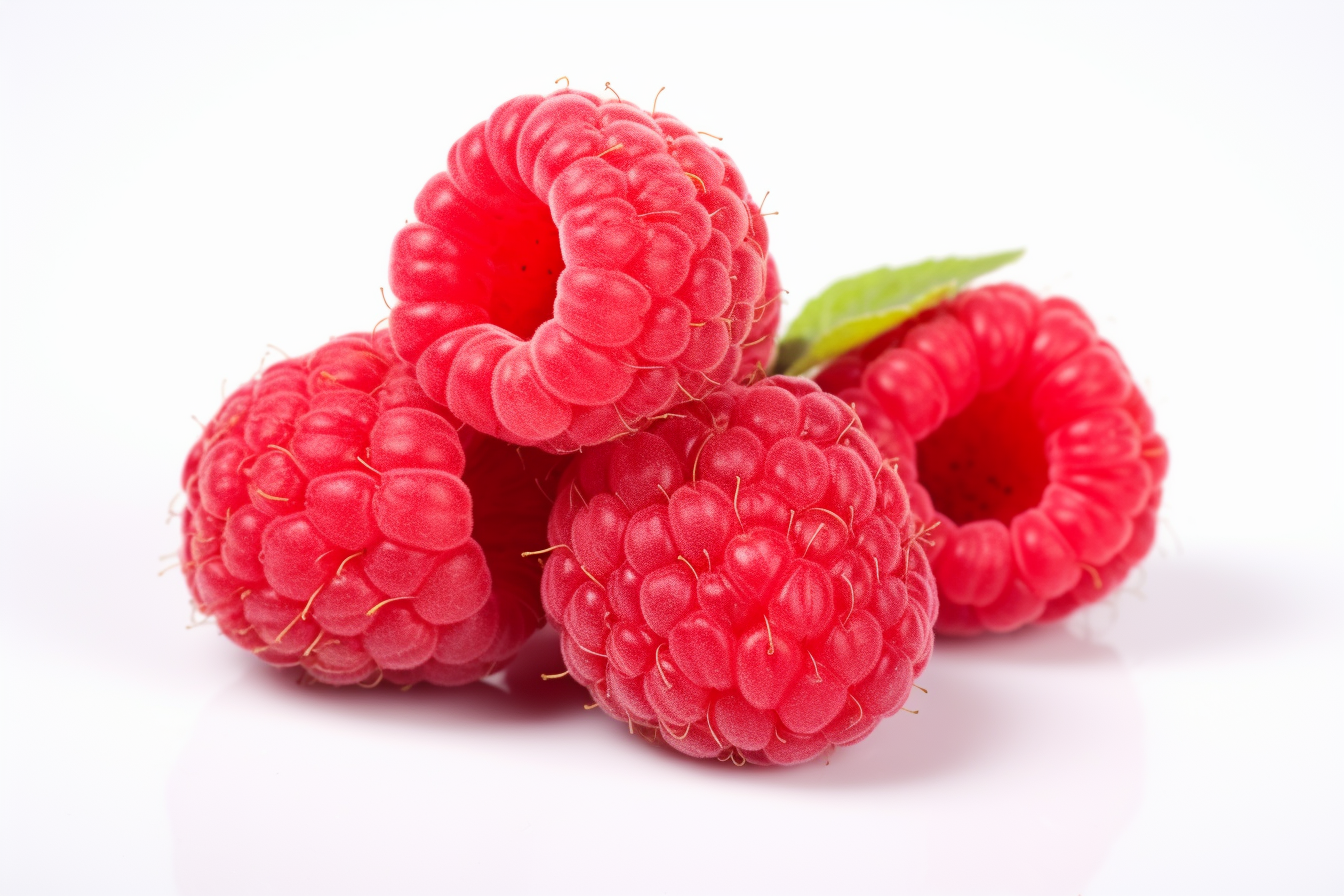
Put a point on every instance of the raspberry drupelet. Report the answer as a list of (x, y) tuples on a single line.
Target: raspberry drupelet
[(337, 519), (580, 266), (743, 579), (1020, 432)]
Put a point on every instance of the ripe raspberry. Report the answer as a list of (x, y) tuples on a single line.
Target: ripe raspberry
[(1022, 433), (578, 268), (337, 520), (742, 577)]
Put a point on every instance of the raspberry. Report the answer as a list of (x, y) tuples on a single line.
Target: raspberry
[(741, 578), (1022, 434), (337, 520), (579, 266)]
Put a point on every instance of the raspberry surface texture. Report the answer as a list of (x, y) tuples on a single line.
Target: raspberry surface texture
[(743, 579), (337, 520), (578, 267), (759, 349), (1021, 434)]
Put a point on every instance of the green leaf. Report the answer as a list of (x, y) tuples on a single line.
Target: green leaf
[(856, 310)]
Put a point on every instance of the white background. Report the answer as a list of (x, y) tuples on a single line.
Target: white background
[(183, 185)]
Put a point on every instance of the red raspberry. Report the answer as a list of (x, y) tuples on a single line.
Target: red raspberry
[(579, 267), (741, 577), (337, 520), (1022, 433)]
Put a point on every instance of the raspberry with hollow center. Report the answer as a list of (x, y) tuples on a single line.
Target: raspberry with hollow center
[(743, 578), (580, 266), (337, 520), (1021, 433)]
